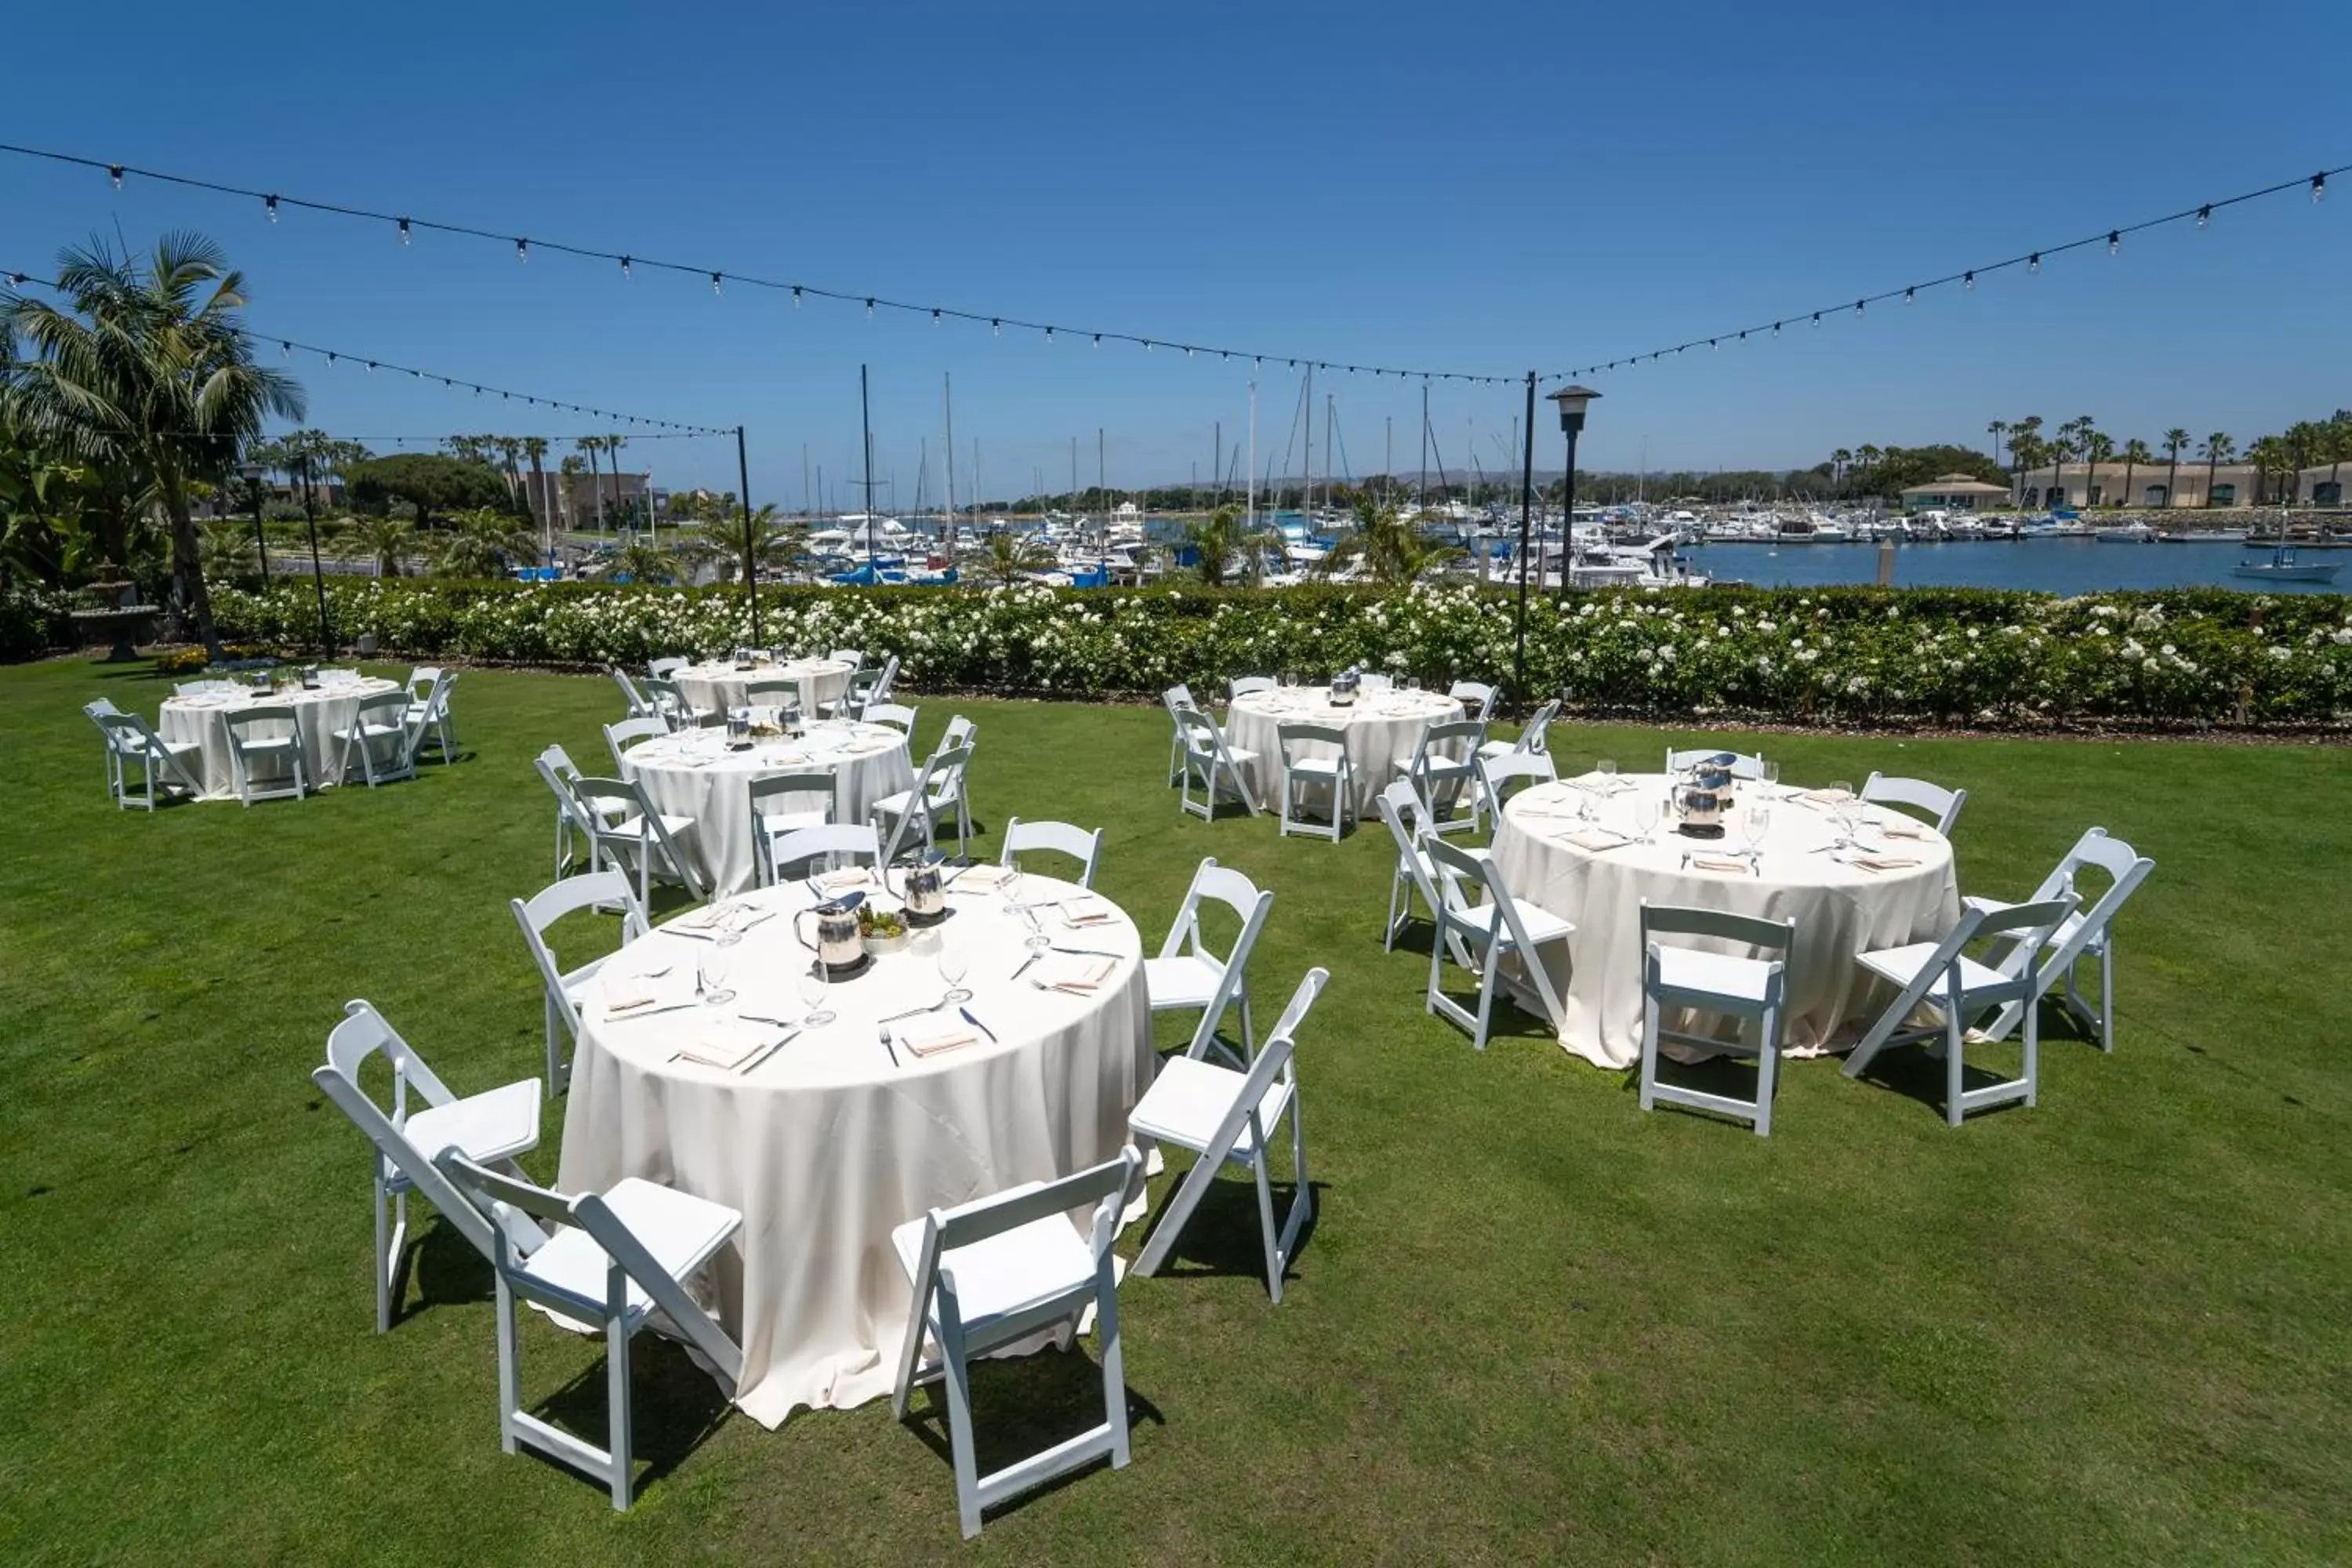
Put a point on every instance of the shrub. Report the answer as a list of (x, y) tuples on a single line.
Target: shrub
[(1833, 655)]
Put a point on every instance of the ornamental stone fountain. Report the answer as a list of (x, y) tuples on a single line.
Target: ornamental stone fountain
[(116, 619)]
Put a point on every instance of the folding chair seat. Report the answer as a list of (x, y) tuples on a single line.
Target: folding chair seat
[(1727, 984), (1214, 765), (1329, 775), (2086, 933), (938, 790), (379, 725), (493, 1127), (624, 828), (1190, 975), (429, 722), (996, 1271), (783, 805), (275, 753), (1230, 1117), (563, 988), (1942, 806), (1943, 977), (1499, 926), (1080, 844), (161, 764), (619, 1260), (1534, 738)]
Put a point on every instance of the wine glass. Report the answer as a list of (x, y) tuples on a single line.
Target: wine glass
[(1037, 941), (1754, 823), (1413, 683), (954, 962), (1768, 774), (1607, 768), (1645, 814), (811, 983), (710, 980)]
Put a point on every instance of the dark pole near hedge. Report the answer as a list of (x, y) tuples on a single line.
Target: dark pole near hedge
[(1572, 401), (750, 556), (318, 574), (1526, 515), (253, 475)]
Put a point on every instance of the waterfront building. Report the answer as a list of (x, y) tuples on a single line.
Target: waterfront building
[(2151, 485), (1954, 492)]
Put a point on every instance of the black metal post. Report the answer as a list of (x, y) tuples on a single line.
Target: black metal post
[(1526, 517), (318, 574), (1568, 513), (260, 541), (866, 424), (751, 557)]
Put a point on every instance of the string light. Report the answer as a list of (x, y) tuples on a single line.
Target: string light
[(1858, 305), (935, 315), (796, 296), (718, 288), (1817, 318), (2033, 262), (2115, 241), (522, 252), (1910, 295), (269, 206), (2205, 215), (114, 173), (869, 305), (403, 231), (2318, 187), (1968, 278), (624, 267)]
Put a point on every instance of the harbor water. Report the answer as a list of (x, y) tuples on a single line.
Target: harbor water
[(2065, 566)]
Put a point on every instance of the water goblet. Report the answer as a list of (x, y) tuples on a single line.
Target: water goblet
[(711, 982), (1754, 823), (1768, 774), (1607, 768), (1645, 816), (1037, 941), (811, 983), (953, 962)]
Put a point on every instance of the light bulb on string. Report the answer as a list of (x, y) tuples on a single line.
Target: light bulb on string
[(2318, 187), (1817, 318), (330, 361), (718, 288), (1858, 304), (935, 315), (624, 268), (2115, 241), (1049, 334), (796, 296), (869, 310), (1910, 294), (114, 173), (996, 328), (2033, 262), (370, 364), (1776, 329), (522, 252), (2205, 215), (403, 231), (269, 206), (1968, 280)]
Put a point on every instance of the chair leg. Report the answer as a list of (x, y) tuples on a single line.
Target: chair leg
[(510, 1365), (1265, 1211), (1768, 1071), (383, 1260), (1389, 932), (1649, 1049), (618, 1419), (1489, 971), (1953, 1066), (2108, 992), (2032, 1050), (1249, 1033), (1114, 1373), (956, 1375), (555, 1073)]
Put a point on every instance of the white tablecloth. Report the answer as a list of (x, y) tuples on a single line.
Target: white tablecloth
[(827, 1145), (693, 774), (715, 687), (203, 719), (1383, 728), (1840, 909)]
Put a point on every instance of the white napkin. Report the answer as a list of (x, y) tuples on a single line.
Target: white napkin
[(1881, 862), (1825, 797), (1594, 838), (930, 1037), (1902, 828), (1078, 973), (983, 879), (628, 994), (1721, 863), (1087, 911), (727, 1048), (840, 882), (711, 917), (1542, 806)]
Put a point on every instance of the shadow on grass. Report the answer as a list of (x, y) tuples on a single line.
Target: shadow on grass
[(1224, 1236), (443, 1265), (1021, 1406), (675, 1405)]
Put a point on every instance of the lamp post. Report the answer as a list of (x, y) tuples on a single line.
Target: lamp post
[(1572, 401), (251, 474)]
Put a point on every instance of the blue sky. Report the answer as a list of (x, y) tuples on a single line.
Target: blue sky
[(1487, 188)]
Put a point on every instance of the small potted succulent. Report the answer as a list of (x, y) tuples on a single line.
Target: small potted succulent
[(884, 931)]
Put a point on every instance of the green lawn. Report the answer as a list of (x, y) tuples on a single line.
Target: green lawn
[(1532, 1323)]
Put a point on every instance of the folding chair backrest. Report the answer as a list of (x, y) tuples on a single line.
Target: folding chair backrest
[(638, 706), (621, 736), (789, 792), (99, 710), (131, 734), (1452, 743), (1400, 807), (1677, 920), (1178, 696), (1203, 741), (771, 691), (852, 657), (1534, 739), (1372, 680), (241, 720), (601, 797), (555, 766), (662, 668), (1476, 696), (1454, 865), (1302, 1002), (559, 899), (880, 692), (1739, 764), (857, 840), (361, 1034), (1940, 803), (1288, 735), (1242, 685), (1080, 844), (377, 703), (961, 732), (668, 701), (1521, 769), (898, 718)]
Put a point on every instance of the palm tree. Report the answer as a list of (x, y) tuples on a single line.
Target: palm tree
[(385, 538), (2136, 452), (1007, 557), (1995, 430), (1840, 461), (1394, 552), (481, 544), (592, 445), (621, 503), (642, 563), (2096, 450), (778, 543), (228, 553), (535, 448), (149, 370), (2056, 450), (1220, 536), (2025, 449), (2174, 439), (2218, 448)]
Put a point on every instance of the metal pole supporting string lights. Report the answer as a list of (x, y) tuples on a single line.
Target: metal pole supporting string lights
[(2200, 216), (290, 346), (407, 226)]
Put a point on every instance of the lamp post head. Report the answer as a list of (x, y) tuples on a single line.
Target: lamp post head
[(1572, 401), (249, 472)]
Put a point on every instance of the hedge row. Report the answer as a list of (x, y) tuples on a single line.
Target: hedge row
[(1861, 655)]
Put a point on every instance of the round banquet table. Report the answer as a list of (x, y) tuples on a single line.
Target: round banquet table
[(715, 687), (827, 1143), (692, 774), (202, 717), (1382, 728), (1840, 908)]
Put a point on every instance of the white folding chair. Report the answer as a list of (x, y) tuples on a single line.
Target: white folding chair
[(853, 842), (1941, 975), (1229, 1117), (2090, 933), (1498, 777), (1739, 764), (1942, 806), (783, 805), (1729, 984), (620, 737), (1243, 685), (1189, 974), (852, 656), (279, 749), (1501, 925), (1078, 843), (994, 1271), (1407, 818), (421, 681), (623, 828), (379, 725), (1478, 698), (1444, 771), (535, 914), (128, 740), (860, 692), (1303, 775), (939, 789), (620, 1259), (961, 732), (1212, 764), (494, 1126), (1176, 697), (885, 683), (1534, 738), (663, 668), (555, 768), (638, 705), (671, 704), (779, 692), (430, 723), (898, 718)]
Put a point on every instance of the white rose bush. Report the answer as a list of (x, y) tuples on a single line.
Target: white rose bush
[(1866, 655)]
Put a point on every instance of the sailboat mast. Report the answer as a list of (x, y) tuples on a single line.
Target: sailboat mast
[(866, 426), (1421, 496), (1249, 474), (1307, 422), (947, 391)]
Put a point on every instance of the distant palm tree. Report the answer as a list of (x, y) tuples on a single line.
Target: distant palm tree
[(2174, 439), (2136, 452), (1995, 430), (228, 551), (2218, 448), (642, 563), (2025, 449), (1840, 461), (385, 538), (149, 369), (482, 544), (592, 445), (2056, 450), (621, 503), (1394, 552), (2096, 450), (535, 448), (1007, 557)]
